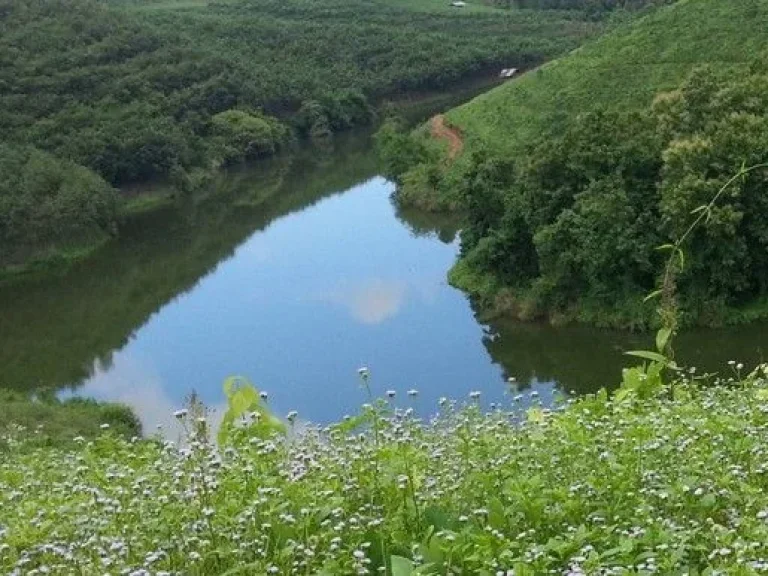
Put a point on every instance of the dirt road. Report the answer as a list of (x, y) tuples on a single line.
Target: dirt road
[(442, 131)]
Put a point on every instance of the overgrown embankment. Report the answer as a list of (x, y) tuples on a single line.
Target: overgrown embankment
[(572, 175), (50, 422)]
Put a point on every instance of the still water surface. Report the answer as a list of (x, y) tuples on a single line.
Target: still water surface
[(294, 274)]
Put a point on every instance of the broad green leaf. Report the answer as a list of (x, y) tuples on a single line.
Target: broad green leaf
[(622, 394), (401, 566), (652, 295), (662, 338), (496, 515), (709, 501), (648, 355), (437, 518), (535, 415)]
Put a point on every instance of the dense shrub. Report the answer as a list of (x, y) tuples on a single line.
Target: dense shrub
[(48, 421), (48, 204), (243, 135), (576, 222), (130, 88)]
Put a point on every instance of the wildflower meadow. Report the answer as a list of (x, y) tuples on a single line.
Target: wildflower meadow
[(665, 481)]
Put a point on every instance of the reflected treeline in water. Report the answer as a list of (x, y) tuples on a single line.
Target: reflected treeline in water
[(421, 223), (583, 359), (55, 329)]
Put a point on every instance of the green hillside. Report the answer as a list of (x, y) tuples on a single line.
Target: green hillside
[(572, 176), (623, 69), (145, 90)]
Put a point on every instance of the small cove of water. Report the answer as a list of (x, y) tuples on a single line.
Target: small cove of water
[(294, 274)]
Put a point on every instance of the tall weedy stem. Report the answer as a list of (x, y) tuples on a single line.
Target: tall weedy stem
[(668, 309)]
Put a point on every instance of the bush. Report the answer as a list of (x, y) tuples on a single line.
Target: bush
[(49, 422), (577, 221), (244, 135), (48, 204)]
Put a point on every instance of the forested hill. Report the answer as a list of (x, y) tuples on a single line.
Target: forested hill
[(573, 175), (624, 69), (134, 90), (131, 89)]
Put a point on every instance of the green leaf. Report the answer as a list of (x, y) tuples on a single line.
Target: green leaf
[(496, 515), (243, 569), (662, 338), (622, 394), (242, 398), (709, 501), (648, 355), (401, 566), (665, 247), (535, 415), (652, 295), (354, 423)]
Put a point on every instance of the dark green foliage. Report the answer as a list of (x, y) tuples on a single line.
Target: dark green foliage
[(139, 90), (585, 213), (595, 7), (334, 113), (242, 135), (48, 204), (397, 150), (130, 89)]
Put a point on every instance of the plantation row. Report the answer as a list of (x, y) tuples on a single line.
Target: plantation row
[(140, 90)]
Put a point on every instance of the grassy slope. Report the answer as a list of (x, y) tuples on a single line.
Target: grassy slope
[(621, 69), (52, 422)]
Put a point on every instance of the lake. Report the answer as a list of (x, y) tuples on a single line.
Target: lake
[(295, 273)]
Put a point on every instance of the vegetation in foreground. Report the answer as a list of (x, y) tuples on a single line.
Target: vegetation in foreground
[(657, 479), (138, 90), (583, 173)]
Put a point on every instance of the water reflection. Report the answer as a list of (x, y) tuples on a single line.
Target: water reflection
[(293, 275), (56, 330), (372, 302)]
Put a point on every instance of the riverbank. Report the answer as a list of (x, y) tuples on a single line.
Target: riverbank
[(668, 480), (163, 93), (571, 177), (137, 200), (46, 421)]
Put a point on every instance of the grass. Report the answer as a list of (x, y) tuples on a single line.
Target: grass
[(173, 5), (674, 482), (622, 69), (53, 422), (443, 6)]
